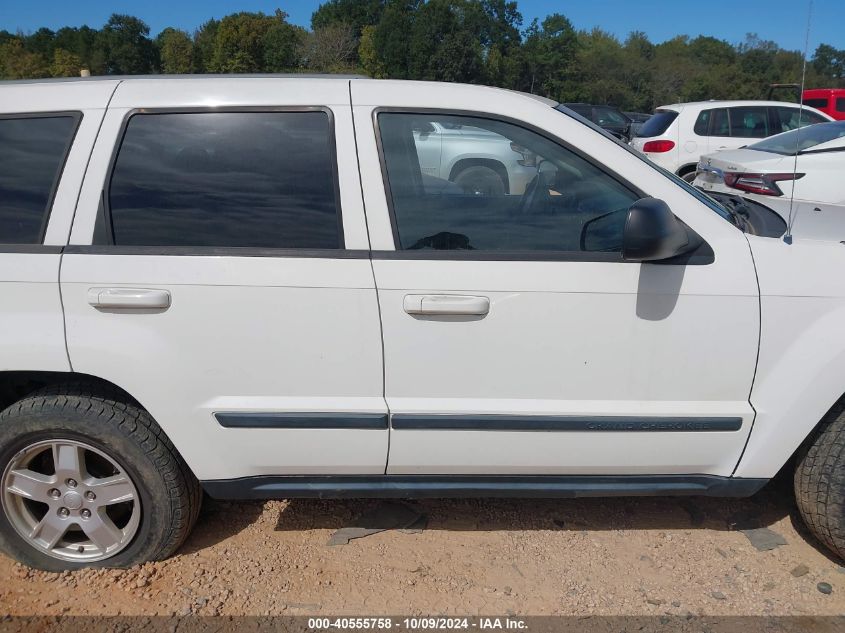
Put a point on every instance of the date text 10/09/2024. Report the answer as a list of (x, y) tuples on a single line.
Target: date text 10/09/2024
[(417, 623)]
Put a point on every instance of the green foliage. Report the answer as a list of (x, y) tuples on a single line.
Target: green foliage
[(18, 63), (65, 63), (176, 51), (126, 49), (473, 41), (356, 14)]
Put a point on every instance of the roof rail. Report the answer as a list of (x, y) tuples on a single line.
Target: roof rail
[(186, 76)]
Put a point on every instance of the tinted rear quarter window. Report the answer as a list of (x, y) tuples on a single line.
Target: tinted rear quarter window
[(840, 104), (226, 179), (32, 154), (657, 124), (702, 123)]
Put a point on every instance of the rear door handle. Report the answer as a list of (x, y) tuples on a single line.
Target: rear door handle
[(446, 304), (128, 298)]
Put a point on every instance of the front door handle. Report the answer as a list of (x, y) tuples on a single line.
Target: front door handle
[(446, 305), (129, 298)]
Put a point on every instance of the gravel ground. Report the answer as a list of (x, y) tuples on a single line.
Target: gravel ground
[(632, 556)]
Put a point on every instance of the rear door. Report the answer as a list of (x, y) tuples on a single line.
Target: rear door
[(218, 271), (747, 124)]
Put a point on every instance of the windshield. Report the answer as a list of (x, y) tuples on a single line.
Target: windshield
[(802, 139), (699, 195)]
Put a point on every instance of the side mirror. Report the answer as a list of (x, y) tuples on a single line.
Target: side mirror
[(652, 232)]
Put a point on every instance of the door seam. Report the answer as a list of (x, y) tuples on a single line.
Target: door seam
[(73, 221), (375, 285)]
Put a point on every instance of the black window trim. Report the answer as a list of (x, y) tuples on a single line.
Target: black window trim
[(231, 251), (39, 246), (465, 255)]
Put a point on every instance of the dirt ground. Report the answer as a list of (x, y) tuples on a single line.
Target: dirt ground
[(631, 556)]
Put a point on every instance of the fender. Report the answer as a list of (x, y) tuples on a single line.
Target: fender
[(801, 364)]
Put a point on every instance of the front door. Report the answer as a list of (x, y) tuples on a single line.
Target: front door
[(517, 340)]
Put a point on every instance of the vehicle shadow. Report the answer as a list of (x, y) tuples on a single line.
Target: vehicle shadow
[(220, 520), (765, 508)]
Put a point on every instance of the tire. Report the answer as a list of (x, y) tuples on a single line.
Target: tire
[(152, 498), (689, 176), (480, 180), (820, 483)]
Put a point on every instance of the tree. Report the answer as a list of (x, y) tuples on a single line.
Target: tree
[(282, 43), (18, 63), (390, 37), (355, 14), (204, 38), (330, 49), (65, 64), (829, 64), (125, 47), (368, 55), (176, 51), (80, 42), (241, 43), (551, 49)]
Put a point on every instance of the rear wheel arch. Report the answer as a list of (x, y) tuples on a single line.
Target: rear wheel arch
[(65, 408), (18, 385), (495, 165)]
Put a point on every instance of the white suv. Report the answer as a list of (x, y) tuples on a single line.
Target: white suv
[(249, 286), (677, 135)]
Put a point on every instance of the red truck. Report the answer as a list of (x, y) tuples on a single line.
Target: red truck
[(829, 100)]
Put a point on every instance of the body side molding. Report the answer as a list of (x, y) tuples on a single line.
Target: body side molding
[(563, 423), (248, 420)]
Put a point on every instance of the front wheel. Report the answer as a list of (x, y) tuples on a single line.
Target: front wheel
[(89, 480), (820, 483)]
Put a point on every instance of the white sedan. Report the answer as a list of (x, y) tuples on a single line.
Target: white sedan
[(798, 174)]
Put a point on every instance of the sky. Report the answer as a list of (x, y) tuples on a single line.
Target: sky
[(783, 21)]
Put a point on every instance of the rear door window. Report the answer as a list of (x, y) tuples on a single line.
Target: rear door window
[(225, 179), (657, 123), (720, 123), (33, 150), (749, 122)]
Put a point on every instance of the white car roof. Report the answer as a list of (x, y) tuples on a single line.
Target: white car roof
[(75, 93), (700, 105)]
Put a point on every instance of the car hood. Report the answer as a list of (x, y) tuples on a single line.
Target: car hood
[(746, 160)]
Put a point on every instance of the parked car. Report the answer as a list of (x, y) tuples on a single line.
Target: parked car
[(478, 161), (798, 172), (831, 101), (678, 135), (606, 117), (247, 286), (637, 120)]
